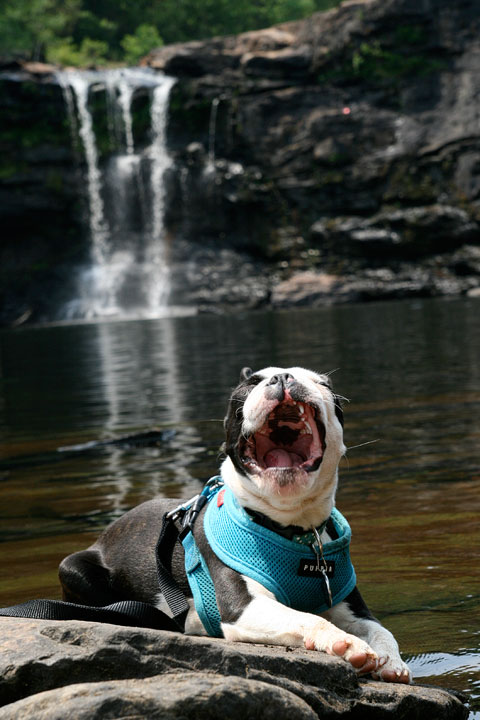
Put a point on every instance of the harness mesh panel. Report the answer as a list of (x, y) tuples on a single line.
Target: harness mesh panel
[(273, 560)]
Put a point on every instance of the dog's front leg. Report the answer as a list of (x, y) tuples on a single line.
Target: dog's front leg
[(353, 617), (265, 620)]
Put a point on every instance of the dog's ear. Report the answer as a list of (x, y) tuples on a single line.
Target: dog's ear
[(337, 403), (245, 374)]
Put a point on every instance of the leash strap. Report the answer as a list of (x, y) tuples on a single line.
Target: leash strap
[(126, 612)]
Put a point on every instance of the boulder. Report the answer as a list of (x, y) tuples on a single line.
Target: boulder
[(305, 288), (173, 695), (410, 233), (51, 669)]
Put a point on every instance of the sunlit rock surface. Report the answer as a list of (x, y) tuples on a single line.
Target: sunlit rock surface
[(85, 670)]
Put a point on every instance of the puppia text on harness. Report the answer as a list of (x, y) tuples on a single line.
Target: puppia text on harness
[(288, 568)]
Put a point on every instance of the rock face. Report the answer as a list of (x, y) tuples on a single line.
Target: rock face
[(344, 145), (53, 670)]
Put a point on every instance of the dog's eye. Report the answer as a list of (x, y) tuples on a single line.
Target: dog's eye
[(253, 380), (323, 384)]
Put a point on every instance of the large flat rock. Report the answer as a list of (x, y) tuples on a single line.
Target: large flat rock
[(51, 669)]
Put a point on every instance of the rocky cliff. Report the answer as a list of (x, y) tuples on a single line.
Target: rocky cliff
[(332, 159), (346, 146), (51, 669)]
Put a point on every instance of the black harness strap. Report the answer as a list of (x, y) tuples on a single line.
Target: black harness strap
[(174, 596), (170, 534)]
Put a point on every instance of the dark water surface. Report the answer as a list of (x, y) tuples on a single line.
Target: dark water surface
[(411, 371)]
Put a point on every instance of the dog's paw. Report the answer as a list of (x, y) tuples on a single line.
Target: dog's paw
[(392, 669), (357, 652)]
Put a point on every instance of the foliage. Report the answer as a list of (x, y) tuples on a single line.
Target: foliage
[(85, 32), (28, 27), (90, 52), (144, 39), (376, 63)]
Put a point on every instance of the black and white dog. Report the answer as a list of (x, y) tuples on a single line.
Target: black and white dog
[(284, 441)]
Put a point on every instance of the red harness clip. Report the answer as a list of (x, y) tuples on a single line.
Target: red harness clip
[(220, 498)]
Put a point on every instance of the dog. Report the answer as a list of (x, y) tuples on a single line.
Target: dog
[(283, 445)]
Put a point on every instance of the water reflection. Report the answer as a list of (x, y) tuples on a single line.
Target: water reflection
[(459, 672)]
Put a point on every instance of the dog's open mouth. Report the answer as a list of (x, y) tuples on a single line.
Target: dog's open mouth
[(292, 436)]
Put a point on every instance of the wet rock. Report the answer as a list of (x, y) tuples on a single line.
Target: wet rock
[(76, 669), (466, 261), (215, 279)]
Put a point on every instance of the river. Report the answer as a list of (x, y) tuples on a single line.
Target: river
[(411, 371)]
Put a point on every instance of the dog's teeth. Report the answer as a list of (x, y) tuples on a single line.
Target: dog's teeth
[(308, 427), (300, 407)]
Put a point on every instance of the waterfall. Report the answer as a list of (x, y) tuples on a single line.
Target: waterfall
[(212, 131), (127, 276), (98, 228), (158, 289)]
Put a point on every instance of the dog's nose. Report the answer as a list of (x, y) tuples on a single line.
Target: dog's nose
[(278, 386), (283, 379)]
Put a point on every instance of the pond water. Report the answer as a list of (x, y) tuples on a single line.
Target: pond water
[(411, 371)]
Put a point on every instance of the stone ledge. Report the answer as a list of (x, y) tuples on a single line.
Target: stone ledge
[(51, 669)]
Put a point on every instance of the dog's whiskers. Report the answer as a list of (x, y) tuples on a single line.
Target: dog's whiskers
[(369, 442)]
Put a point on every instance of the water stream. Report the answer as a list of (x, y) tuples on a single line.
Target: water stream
[(212, 131), (127, 276)]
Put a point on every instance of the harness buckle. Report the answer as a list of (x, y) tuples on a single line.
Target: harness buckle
[(181, 509), (195, 504)]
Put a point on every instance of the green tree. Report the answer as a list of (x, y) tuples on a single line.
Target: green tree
[(91, 52), (27, 27), (144, 39)]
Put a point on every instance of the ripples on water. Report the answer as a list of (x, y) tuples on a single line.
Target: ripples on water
[(411, 371)]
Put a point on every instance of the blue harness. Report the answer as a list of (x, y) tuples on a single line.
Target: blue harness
[(293, 571)]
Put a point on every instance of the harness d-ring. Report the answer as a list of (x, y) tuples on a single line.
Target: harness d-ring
[(322, 566)]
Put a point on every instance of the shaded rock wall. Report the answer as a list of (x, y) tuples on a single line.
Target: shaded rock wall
[(348, 144), (41, 215), (85, 670)]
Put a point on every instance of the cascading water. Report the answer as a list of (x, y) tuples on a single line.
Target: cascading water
[(160, 160), (128, 275), (212, 131)]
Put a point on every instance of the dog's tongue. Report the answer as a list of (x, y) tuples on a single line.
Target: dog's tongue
[(281, 458)]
